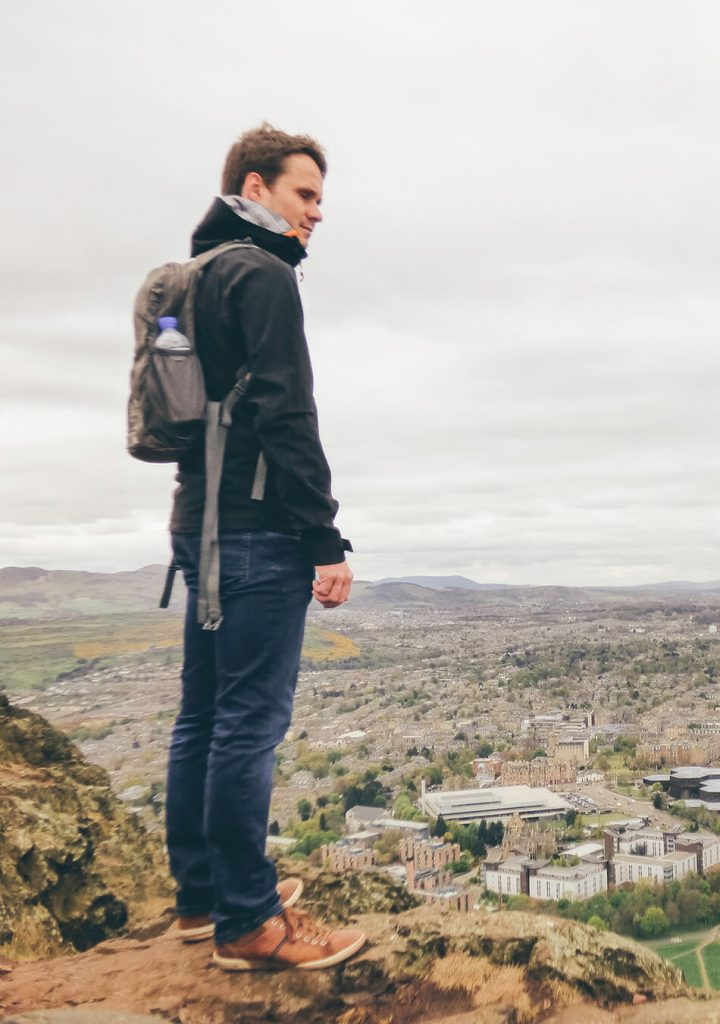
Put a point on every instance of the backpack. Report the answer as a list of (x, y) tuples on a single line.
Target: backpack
[(169, 415)]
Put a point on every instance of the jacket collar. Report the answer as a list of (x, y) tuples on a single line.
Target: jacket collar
[(232, 218)]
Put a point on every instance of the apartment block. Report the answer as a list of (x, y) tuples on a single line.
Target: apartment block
[(429, 853), (541, 771), (343, 856)]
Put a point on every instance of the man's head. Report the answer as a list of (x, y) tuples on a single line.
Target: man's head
[(284, 173)]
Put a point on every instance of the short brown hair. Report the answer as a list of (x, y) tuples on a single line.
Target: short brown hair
[(264, 150)]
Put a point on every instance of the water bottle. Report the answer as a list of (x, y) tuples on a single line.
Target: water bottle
[(170, 341)]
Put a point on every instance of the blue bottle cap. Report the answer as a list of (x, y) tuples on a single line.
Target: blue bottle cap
[(165, 322)]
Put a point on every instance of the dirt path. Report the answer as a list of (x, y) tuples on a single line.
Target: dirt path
[(712, 937)]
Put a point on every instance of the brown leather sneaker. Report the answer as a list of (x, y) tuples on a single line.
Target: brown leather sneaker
[(196, 929), (290, 891), (289, 940)]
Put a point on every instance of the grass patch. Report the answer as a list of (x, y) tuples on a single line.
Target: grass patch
[(711, 956), (672, 950), (688, 964), (322, 645), (34, 653)]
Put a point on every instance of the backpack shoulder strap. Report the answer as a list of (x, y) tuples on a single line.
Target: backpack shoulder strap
[(217, 424)]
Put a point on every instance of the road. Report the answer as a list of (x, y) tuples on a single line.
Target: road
[(627, 807)]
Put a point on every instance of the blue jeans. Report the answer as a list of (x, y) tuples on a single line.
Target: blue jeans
[(238, 684)]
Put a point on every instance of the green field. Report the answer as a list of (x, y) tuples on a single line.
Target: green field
[(670, 950), (711, 956), (688, 964), (686, 955), (34, 653)]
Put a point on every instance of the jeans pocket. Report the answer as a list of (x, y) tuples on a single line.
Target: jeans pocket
[(234, 562)]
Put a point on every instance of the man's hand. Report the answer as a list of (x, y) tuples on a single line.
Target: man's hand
[(332, 585)]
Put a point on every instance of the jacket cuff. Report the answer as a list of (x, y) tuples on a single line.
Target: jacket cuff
[(325, 546)]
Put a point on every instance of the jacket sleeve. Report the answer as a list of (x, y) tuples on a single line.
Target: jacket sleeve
[(283, 409)]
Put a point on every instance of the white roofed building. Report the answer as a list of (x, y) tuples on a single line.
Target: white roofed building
[(493, 804)]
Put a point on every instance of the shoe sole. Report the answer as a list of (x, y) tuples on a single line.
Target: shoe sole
[(236, 964), (197, 934), (206, 931)]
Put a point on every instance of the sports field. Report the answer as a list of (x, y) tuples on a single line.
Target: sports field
[(697, 956)]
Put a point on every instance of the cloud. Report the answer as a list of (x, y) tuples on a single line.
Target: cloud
[(511, 304)]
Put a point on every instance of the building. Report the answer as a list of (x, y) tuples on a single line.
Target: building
[(358, 818), (487, 767), (705, 846), (647, 854), (425, 879), (658, 870), (449, 898), (432, 853), (376, 819), (281, 844), (505, 877), (434, 884), (574, 882), (365, 838), (344, 856), (631, 852), (416, 829), (690, 783), (574, 749), (541, 771), (693, 748), (557, 722), (546, 880), (496, 803)]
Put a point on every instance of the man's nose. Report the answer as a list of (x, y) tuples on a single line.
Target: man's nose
[(316, 213)]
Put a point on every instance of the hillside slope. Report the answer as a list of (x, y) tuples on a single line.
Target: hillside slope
[(75, 865)]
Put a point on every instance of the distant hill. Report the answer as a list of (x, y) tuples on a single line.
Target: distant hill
[(30, 592), (34, 593), (444, 582), (676, 587), (400, 594)]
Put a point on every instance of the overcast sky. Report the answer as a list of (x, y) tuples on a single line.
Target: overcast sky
[(512, 304)]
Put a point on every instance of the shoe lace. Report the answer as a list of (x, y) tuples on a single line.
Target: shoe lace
[(302, 926)]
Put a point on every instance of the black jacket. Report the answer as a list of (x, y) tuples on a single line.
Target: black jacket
[(248, 311)]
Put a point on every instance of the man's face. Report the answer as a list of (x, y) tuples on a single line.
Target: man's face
[(296, 194)]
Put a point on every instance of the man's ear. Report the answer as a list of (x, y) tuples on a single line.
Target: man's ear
[(253, 186)]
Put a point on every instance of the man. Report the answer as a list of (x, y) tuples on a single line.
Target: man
[(275, 553)]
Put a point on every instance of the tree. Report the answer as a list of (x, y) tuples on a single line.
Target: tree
[(597, 922), (570, 817), (387, 846), (274, 828), (484, 749), (440, 827), (658, 801), (304, 809), (652, 923)]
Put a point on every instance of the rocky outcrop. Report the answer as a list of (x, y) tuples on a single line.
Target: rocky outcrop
[(419, 966), (74, 863), (76, 869)]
